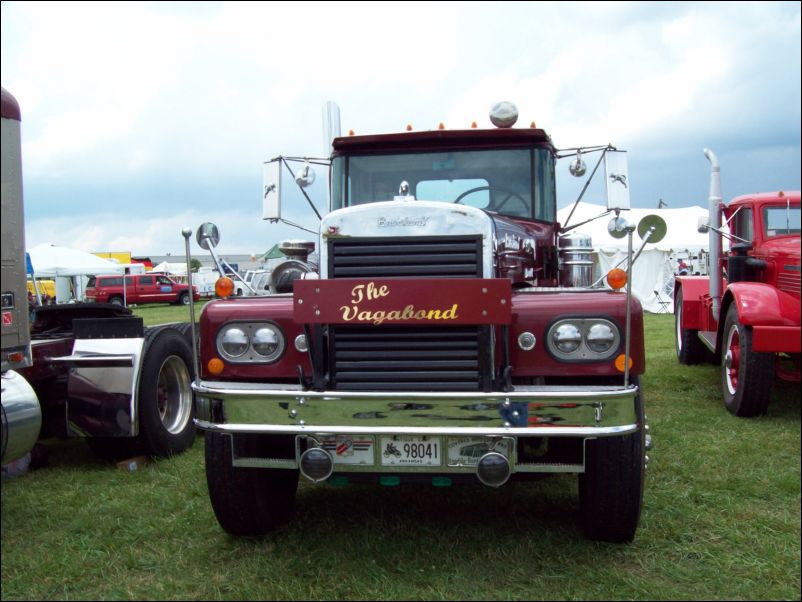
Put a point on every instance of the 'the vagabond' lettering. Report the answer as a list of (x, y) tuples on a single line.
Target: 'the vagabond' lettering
[(370, 292)]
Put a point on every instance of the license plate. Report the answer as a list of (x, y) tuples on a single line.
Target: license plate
[(466, 451), (410, 451)]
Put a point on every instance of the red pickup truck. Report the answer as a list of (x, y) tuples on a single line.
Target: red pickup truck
[(139, 288)]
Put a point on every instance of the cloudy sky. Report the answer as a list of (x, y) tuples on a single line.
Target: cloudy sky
[(140, 119)]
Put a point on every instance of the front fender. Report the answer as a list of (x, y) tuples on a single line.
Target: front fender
[(762, 304)]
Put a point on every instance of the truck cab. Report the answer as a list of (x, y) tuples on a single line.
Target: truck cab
[(443, 339)]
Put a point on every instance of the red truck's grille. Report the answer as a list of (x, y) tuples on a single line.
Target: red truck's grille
[(788, 280)]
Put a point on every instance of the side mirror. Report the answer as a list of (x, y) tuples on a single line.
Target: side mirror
[(616, 178), (271, 189), (207, 236)]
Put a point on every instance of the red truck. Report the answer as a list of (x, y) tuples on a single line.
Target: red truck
[(746, 314), (449, 334), (138, 288)]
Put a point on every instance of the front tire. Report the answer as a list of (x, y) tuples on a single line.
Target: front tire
[(249, 501), (611, 488), (746, 376)]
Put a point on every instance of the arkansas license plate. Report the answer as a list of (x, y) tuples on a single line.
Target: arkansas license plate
[(410, 451)]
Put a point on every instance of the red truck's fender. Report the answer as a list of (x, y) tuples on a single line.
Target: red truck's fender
[(694, 289), (774, 315)]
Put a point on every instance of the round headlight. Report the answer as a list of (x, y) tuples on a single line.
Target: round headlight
[(268, 342), (567, 338), (234, 342), (600, 338)]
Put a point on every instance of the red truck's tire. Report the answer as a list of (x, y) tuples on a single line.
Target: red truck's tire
[(249, 501), (611, 488), (746, 376)]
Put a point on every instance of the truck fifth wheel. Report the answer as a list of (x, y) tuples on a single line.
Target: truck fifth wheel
[(449, 331)]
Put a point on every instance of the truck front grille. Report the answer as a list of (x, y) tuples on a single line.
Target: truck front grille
[(418, 257), (365, 358)]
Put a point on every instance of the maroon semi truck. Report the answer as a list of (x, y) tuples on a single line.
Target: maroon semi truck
[(746, 314), (449, 332), (89, 370)]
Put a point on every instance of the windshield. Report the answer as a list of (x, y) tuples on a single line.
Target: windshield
[(780, 220), (517, 182)]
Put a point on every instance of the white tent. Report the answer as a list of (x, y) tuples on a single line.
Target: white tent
[(174, 268), (653, 273), (50, 260)]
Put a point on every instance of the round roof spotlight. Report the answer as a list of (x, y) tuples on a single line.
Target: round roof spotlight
[(577, 167), (526, 341), (503, 114), (316, 464), (493, 469)]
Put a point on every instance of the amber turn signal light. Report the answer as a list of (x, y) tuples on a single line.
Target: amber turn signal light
[(215, 366), (617, 278), (619, 363), (224, 287)]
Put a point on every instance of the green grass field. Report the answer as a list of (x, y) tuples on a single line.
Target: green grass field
[(721, 521)]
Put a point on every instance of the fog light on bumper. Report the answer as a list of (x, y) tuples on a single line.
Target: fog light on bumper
[(316, 465), (493, 469)]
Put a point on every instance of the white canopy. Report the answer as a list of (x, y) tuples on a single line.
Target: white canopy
[(50, 261), (176, 268)]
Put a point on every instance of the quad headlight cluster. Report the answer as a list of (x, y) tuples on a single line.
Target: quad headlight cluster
[(578, 339), (251, 342)]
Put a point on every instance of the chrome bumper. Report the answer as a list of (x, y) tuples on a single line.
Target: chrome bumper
[(526, 412)]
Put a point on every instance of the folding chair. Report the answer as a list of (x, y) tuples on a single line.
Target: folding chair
[(665, 304)]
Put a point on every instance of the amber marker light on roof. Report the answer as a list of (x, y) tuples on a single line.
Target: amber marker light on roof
[(617, 278), (442, 126), (224, 287), (215, 366), (473, 125), (409, 127), (532, 125)]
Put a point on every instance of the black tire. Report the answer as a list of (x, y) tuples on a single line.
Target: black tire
[(166, 405), (116, 301), (183, 299), (611, 488), (249, 501), (746, 376), (690, 350)]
